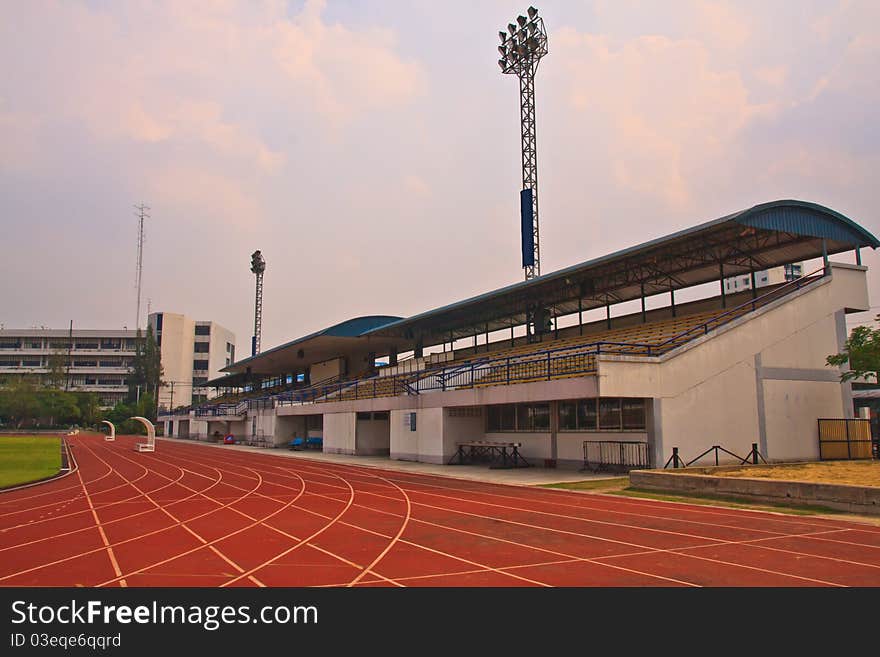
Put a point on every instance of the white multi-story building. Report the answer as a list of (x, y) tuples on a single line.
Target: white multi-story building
[(193, 351), (773, 276), (93, 360)]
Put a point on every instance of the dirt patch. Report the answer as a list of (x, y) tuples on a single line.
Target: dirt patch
[(853, 473)]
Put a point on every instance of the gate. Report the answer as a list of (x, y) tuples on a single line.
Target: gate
[(842, 439)]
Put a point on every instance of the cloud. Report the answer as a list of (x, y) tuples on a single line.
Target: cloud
[(664, 109)]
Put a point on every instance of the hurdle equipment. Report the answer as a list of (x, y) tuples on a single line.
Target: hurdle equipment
[(150, 445), (111, 437)]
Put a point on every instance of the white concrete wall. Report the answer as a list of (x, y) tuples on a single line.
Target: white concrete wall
[(425, 443), (792, 410), (458, 429), (339, 433), (264, 423), (761, 379), (372, 437), (178, 337), (535, 446)]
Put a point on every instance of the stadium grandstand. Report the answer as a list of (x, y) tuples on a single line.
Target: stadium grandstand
[(601, 352)]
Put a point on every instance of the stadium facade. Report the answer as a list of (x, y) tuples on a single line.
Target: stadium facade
[(598, 353)]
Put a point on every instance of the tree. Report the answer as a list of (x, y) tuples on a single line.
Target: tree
[(56, 377), (89, 408), (861, 352), (58, 406), (18, 401), (146, 371)]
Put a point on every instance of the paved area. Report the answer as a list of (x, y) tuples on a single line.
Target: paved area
[(533, 476)]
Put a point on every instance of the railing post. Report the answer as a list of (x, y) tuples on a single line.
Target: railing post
[(755, 453), (675, 458), (548, 365), (508, 370)]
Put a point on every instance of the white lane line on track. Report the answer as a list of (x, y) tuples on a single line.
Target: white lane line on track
[(109, 549), (183, 524), (253, 524), (484, 566), (716, 541)]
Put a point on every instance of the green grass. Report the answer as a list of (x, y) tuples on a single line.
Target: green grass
[(28, 458)]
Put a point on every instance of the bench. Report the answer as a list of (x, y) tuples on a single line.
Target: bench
[(313, 442)]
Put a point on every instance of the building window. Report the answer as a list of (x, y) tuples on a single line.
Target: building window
[(201, 347), (519, 417), (606, 414), (200, 380), (200, 365), (203, 330)]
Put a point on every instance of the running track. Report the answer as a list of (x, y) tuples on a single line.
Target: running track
[(197, 515)]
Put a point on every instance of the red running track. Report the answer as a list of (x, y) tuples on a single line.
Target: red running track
[(200, 515)]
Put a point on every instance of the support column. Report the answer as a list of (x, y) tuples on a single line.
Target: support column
[(672, 298), (580, 316), (644, 314), (723, 293)]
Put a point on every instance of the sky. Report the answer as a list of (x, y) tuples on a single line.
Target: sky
[(370, 149)]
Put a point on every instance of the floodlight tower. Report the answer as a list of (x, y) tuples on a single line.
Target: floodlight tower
[(258, 266), (522, 47)]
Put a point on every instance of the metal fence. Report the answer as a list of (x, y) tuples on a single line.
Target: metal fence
[(616, 455), (843, 439)]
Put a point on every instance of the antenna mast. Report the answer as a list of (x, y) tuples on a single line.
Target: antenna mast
[(143, 212)]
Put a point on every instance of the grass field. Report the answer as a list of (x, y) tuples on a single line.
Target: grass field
[(28, 458)]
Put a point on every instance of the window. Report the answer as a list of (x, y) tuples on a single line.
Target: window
[(568, 416), (86, 345), (633, 414), (363, 416), (200, 365), (201, 347), (203, 330), (608, 414), (31, 363), (519, 417), (586, 415), (158, 321), (200, 380)]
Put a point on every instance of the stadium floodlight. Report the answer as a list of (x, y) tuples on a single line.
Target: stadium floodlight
[(258, 267), (520, 55)]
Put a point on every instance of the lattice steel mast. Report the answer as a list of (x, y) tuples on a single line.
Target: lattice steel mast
[(258, 266), (521, 52), (141, 214)]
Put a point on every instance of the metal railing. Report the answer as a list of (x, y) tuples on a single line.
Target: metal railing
[(753, 457), (559, 362), (616, 455)]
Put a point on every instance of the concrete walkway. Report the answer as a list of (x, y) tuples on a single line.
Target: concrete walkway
[(516, 476)]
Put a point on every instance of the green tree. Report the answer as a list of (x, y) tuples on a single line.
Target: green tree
[(861, 352), (146, 372), (56, 377), (58, 406), (89, 408), (18, 401)]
